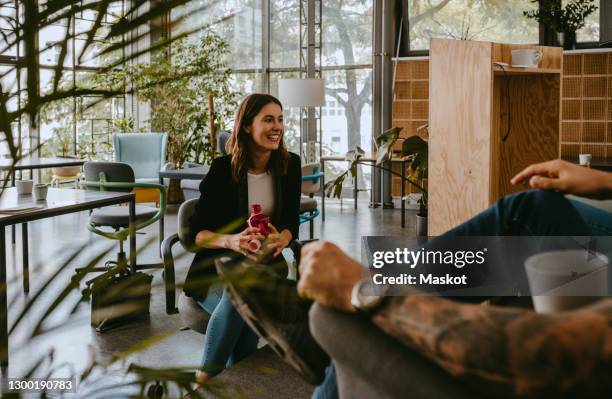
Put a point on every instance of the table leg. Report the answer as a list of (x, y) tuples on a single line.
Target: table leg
[(161, 223), (13, 226), (3, 306), (403, 193), (323, 191), (355, 188), (132, 230), (161, 234), (26, 259)]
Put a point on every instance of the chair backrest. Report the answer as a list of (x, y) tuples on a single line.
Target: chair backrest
[(184, 214), (222, 139), (311, 186), (115, 172), (144, 152)]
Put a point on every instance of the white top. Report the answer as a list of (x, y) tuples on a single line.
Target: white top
[(261, 191)]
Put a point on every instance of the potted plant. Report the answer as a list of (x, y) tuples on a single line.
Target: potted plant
[(414, 148), (62, 141), (563, 20), (181, 87)]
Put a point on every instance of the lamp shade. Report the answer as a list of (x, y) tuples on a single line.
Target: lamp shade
[(301, 92)]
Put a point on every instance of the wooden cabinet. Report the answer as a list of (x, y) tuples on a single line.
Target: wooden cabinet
[(487, 122)]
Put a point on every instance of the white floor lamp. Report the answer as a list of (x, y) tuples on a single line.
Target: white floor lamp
[(304, 93)]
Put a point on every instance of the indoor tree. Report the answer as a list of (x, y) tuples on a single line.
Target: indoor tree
[(177, 84)]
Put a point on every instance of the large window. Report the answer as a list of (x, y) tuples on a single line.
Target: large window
[(489, 20), (347, 58), (89, 119), (71, 125), (590, 32), (239, 22), (265, 50), (284, 34)]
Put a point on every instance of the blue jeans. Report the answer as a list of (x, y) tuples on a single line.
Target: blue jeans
[(328, 389), (228, 339), (529, 213)]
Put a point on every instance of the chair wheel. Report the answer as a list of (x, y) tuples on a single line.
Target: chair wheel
[(155, 391)]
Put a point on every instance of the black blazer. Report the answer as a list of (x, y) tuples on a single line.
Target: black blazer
[(224, 203)]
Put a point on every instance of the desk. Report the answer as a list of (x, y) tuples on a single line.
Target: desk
[(59, 202), (194, 173), (176, 175), (31, 163), (371, 159)]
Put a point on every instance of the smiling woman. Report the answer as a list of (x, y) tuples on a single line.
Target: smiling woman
[(258, 171), (256, 143)]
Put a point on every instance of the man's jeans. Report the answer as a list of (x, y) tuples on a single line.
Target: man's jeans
[(529, 213)]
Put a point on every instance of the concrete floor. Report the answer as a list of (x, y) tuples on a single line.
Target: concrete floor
[(67, 331)]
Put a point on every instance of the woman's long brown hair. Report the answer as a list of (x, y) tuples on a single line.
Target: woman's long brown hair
[(239, 142)]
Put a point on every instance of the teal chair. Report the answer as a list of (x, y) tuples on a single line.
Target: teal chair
[(311, 184), (144, 152), (112, 222)]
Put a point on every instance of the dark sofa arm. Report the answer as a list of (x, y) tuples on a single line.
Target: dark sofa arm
[(370, 364)]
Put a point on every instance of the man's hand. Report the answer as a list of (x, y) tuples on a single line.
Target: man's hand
[(567, 178), (327, 275)]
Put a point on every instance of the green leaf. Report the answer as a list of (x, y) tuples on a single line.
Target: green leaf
[(413, 145), (384, 144), (419, 162)]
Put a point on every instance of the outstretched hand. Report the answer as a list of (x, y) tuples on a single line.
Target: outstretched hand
[(567, 178)]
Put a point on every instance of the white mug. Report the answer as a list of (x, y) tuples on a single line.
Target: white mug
[(566, 279), (24, 186), (585, 159), (526, 58)]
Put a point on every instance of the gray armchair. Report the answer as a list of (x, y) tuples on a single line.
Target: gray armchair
[(370, 364), (182, 235), (192, 314)]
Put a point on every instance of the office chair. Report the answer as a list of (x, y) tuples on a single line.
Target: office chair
[(116, 176)]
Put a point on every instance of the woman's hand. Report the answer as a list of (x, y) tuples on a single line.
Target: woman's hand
[(276, 240), (240, 242), (567, 178)]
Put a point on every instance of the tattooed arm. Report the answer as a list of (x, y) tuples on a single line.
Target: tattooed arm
[(514, 350), (503, 351)]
